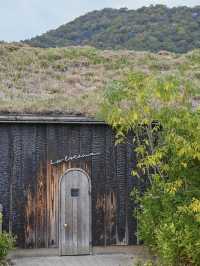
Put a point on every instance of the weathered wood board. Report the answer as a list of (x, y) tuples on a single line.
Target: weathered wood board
[(75, 213)]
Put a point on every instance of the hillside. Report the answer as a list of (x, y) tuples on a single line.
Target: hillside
[(151, 28), (72, 80)]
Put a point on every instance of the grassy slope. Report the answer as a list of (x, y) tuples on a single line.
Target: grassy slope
[(71, 80)]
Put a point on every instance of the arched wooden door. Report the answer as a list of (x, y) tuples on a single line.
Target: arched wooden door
[(75, 213)]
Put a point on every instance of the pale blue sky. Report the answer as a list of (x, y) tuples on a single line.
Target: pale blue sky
[(20, 19)]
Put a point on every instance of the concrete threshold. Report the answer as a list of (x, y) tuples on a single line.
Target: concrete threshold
[(138, 251)]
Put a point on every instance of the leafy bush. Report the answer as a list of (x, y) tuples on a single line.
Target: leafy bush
[(7, 242), (160, 112), (147, 263)]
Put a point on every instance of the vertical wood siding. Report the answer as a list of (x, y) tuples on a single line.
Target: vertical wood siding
[(29, 183)]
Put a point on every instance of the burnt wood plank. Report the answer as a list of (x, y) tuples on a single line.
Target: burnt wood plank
[(5, 172), (111, 189), (122, 194), (98, 185)]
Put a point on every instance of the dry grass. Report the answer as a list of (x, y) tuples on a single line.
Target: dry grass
[(71, 80)]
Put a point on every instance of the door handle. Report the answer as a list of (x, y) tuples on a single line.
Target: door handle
[(65, 225)]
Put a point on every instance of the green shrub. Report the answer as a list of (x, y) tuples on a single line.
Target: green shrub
[(147, 263), (167, 144), (7, 243)]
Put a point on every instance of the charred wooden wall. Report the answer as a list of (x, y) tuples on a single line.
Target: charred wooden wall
[(29, 183)]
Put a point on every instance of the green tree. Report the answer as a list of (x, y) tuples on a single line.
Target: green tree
[(160, 112)]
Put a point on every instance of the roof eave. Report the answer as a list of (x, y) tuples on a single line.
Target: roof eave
[(49, 119)]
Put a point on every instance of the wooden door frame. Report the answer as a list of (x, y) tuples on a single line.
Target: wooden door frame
[(90, 206)]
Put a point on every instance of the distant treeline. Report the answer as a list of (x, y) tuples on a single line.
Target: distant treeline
[(151, 28)]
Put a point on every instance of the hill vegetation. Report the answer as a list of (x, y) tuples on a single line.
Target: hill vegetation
[(72, 80), (151, 28)]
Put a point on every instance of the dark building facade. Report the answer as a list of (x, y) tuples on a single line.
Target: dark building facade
[(35, 152)]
